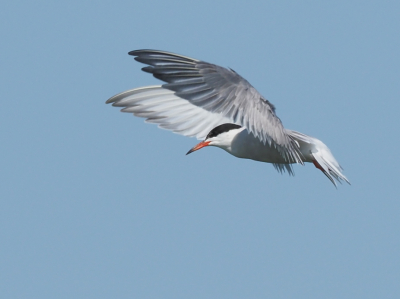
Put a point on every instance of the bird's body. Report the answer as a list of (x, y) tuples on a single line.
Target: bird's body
[(242, 144), (245, 145), (207, 101)]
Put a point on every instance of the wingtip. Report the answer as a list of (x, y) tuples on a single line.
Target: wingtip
[(133, 52), (139, 51)]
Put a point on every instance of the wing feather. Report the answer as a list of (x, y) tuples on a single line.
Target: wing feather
[(217, 91), (161, 106)]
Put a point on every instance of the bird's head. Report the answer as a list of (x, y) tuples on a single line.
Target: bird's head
[(220, 136)]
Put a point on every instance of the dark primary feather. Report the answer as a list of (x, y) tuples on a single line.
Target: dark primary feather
[(222, 91)]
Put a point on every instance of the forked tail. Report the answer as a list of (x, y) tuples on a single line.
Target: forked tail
[(329, 166), (318, 153)]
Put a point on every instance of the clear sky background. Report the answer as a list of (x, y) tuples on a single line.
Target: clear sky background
[(95, 203)]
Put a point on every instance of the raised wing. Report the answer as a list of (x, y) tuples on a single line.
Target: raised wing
[(222, 92)]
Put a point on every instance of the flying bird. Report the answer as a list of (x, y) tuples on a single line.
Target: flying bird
[(221, 108)]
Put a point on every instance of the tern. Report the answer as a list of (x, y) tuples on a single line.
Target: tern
[(221, 108)]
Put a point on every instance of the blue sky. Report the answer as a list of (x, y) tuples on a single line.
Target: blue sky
[(98, 204)]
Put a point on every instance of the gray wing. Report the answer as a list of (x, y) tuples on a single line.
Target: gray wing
[(161, 106), (220, 91)]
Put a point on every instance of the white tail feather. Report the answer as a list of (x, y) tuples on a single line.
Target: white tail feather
[(329, 166), (315, 151)]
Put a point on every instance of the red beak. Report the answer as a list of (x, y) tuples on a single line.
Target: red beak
[(199, 146)]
